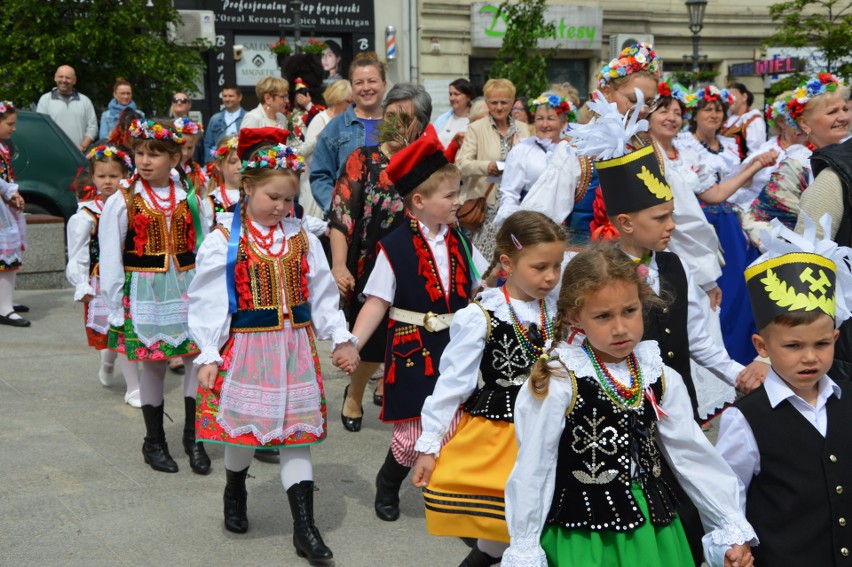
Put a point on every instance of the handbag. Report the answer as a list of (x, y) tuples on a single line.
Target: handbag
[(472, 212)]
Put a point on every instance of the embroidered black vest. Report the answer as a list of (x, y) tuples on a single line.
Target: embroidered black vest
[(94, 246), (412, 353), (593, 467), (505, 367), (264, 284), (800, 503), (668, 325), (160, 242)]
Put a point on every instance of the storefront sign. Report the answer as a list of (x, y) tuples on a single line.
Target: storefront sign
[(327, 15), (257, 61), (767, 67), (576, 27)]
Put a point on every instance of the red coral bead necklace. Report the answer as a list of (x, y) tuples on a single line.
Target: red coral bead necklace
[(164, 205)]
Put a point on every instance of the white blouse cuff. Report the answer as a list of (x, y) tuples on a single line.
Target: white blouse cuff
[(734, 530), (340, 335), (429, 444), (82, 290), (116, 318), (209, 355), (524, 552)]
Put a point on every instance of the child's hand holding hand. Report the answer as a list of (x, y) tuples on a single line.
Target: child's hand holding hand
[(739, 556), (423, 470), (207, 375), (346, 358)]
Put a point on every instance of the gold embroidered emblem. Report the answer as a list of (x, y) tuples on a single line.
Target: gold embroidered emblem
[(654, 185), (786, 296)]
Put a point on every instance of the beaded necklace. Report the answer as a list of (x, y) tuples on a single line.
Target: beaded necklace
[(265, 241), (709, 149), (164, 205), (529, 337), (628, 397), (810, 146), (226, 202)]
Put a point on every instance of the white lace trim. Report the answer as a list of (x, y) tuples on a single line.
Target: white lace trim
[(647, 355), (83, 290), (524, 552), (735, 530), (209, 355), (428, 443), (278, 433), (493, 300), (341, 335)]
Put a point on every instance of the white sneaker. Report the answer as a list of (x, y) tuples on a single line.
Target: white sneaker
[(132, 399), (106, 377)]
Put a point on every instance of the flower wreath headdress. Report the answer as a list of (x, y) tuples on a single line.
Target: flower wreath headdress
[(102, 151), (150, 130), (186, 126), (677, 91), (220, 152), (775, 109), (815, 86), (559, 104), (712, 93), (276, 157), (6, 106), (633, 59)]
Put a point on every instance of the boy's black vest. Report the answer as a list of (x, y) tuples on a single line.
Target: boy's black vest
[(505, 367), (839, 158), (668, 325), (799, 504), (412, 352), (593, 477)]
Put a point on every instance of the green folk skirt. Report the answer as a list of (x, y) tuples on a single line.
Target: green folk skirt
[(646, 546)]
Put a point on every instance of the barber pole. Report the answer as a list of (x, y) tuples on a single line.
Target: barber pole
[(390, 42)]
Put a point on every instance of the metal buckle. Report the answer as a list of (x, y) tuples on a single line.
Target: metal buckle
[(427, 321)]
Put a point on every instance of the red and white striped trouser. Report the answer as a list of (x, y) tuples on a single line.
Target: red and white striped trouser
[(406, 434)]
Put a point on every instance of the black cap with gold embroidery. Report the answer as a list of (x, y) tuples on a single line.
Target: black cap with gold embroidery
[(633, 182), (798, 281)]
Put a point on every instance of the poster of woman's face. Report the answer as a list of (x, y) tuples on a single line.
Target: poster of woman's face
[(331, 60)]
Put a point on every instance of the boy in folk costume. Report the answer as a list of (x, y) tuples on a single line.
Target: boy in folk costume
[(789, 440), (425, 271)]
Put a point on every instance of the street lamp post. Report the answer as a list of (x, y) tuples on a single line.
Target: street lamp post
[(296, 7), (695, 9)]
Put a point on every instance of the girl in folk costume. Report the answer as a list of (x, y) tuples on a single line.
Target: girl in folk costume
[(13, 227), (500, 336), (148, 235), (223, 190), (107, 167), (259, 374), (424, 273), (567, 190), (192, 133), (597, 416)]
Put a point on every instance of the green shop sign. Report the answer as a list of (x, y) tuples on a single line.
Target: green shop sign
[(576, 27)]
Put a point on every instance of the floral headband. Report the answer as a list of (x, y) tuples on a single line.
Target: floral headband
[(712, 93), (6, 106), (815, 86), (633, 59), (220, 152), (775, 109), (150, 130), (276, 157), (186, 126), (670, 88), (559, 104), (103, 151)]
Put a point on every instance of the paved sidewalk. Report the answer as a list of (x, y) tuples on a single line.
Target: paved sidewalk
[(75, 490)]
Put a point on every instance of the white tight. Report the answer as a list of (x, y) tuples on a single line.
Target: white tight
[(152, 381), (296, 463), (492, 548), (7, 286), (130, 371)]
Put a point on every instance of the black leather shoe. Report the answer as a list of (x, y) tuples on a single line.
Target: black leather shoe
[(19, 321), (378, 399), (157, 456), (20, 308), (236, 501), (306, 537), (388, 482), (199, 462), (477, 558), (352, 424)]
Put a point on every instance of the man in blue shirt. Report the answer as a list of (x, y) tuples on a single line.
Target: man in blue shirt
[(224, 123)]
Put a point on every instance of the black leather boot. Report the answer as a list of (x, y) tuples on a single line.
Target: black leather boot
[(199, 462), (306, 537), (389, 480), (477, 558), (236, 501), (155, 449)]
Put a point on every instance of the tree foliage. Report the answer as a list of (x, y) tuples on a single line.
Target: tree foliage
[(520, 59), (102, 40), (823, 24)]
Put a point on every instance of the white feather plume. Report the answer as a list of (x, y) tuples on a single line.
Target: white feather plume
[(608, 136)]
